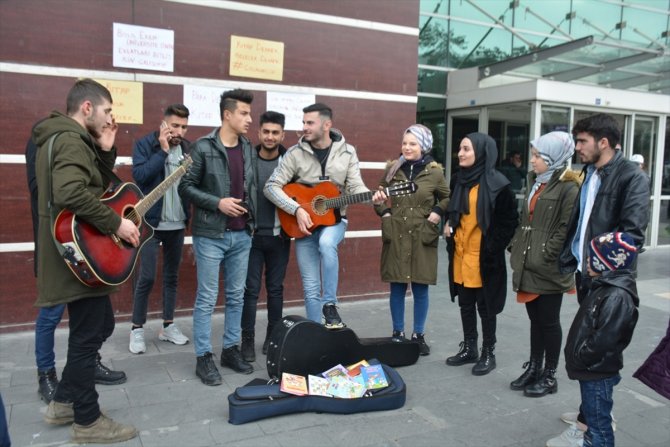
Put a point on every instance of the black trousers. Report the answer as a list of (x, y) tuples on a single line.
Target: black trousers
[(91, 322), (471, 301), (545, 327), (271, 252)]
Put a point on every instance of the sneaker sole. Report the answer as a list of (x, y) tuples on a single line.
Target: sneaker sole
[(164, 338), (94, 440), (59, 421), (335, 326), (140, 351)]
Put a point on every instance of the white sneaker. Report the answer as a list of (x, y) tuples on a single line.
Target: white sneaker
[(137, 345), (173, 335), (571, 418), (571, 437)]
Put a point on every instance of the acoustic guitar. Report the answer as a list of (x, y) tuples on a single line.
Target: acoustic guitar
[(98, 259), (320, 201)]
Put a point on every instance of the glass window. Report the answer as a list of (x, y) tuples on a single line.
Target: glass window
[(644, 143), (664, 223), (432, 81), (509, 126), (433, 41), (555, 118), (431, 113)]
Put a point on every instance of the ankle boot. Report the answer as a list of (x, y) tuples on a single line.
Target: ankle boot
[(466, 354), (106, 376), (486, 363), (248, 348), (547, 384), (47, 382), (529, 376)]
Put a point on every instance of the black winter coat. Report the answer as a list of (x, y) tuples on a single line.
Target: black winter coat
[(492, 265), (655, 371), (603, 327)]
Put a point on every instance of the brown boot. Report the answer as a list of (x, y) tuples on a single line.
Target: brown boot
[(103, 431), (59, 413)]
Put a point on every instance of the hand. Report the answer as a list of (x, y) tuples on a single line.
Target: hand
[(448, 231), (304, 221), (106, 139), (434, 218), (379, 197), (129, 232), (232, 207), (164, 135)]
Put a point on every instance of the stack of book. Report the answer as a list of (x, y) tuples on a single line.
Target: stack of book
[(349, 382)]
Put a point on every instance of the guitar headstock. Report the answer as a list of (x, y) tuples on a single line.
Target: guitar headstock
[(401, 189), (185, 162)]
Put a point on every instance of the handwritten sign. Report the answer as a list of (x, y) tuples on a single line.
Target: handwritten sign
[(291, 105), (203, 103), (144, 48), (256, 58), (128, 100)]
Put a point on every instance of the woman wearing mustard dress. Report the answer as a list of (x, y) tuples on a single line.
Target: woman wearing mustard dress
[(481, 217)]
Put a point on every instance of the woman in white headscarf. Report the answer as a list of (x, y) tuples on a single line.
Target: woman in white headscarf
[(535, 249), (410, 230)]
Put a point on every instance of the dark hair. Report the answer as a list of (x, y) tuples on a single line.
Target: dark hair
[(599, 126), (86, 90), (179, 110), (324, 110), (273, 117), (229, 99)]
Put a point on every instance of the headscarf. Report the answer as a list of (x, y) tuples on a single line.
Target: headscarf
[(555, 148), (482, 172), (425, 138)]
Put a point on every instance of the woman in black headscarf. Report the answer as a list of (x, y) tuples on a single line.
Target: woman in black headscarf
[(482, 217)]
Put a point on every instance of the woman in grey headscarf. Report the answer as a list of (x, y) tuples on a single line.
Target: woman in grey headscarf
[(535, 248), (410, 230)]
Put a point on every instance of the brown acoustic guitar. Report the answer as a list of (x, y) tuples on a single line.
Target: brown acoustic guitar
[(321, 200)]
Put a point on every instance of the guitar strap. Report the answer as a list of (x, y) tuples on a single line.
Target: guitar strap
[(76, 263)]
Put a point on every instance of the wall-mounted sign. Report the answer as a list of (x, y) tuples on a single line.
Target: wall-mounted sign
[(256, 58), (144, 48), (128, 100), (291, 105), (203, 105)]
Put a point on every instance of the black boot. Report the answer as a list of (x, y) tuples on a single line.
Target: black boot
[(467, 353), (105, 376), (486, 363), (547, 384), (529, 376), (47, 381), (248, 348)]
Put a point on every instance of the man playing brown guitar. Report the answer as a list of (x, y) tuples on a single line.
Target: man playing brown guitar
[(321, 155)]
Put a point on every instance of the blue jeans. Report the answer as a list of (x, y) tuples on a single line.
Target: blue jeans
[(420, 295), (271, 252), (319, 267), (232, 251), (597, 403), (172, 241), (45, 326)]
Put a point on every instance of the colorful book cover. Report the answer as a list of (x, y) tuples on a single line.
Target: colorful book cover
[(318, 386), (374, 377), (338, 370), (355, 369), (293, 384), (344, 388)]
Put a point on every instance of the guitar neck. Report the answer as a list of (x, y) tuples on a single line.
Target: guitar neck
[(154, 196), (339, 202)]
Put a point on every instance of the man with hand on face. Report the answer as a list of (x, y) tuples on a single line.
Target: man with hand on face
[(155, 157), (221, 185), (74, 168), (269, 247)]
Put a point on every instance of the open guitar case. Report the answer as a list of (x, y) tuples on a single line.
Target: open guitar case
[(301, 346)]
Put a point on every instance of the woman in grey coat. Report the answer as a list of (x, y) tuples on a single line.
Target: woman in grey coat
[(534, 260)]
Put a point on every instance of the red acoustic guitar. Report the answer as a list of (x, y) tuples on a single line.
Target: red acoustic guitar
[(320, 200), (97, 259)]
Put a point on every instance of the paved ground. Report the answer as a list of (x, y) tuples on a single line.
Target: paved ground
[(446, 406)]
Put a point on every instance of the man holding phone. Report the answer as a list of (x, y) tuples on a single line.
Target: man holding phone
[(155, 157)]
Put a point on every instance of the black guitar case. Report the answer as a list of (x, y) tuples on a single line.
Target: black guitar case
[(301, 346)]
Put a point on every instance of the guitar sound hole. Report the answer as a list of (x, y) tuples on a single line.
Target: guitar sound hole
[(130, 214), (319, 206)]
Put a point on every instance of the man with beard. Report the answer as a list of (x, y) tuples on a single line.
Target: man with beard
[(269, 247), (74, 168), (614, 197), (321, 155), (155, 157)]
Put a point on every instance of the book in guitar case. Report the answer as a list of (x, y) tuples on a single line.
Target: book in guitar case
[(97, 259), (321, 200)]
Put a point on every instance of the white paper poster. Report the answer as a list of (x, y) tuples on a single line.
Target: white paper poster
[(143, 47), (291, 105), (203, 103)]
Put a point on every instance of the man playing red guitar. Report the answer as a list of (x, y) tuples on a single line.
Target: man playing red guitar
[(73, 174), (321, 155)]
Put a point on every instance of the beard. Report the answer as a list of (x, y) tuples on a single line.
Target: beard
[(174, 141), (90, 127)]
